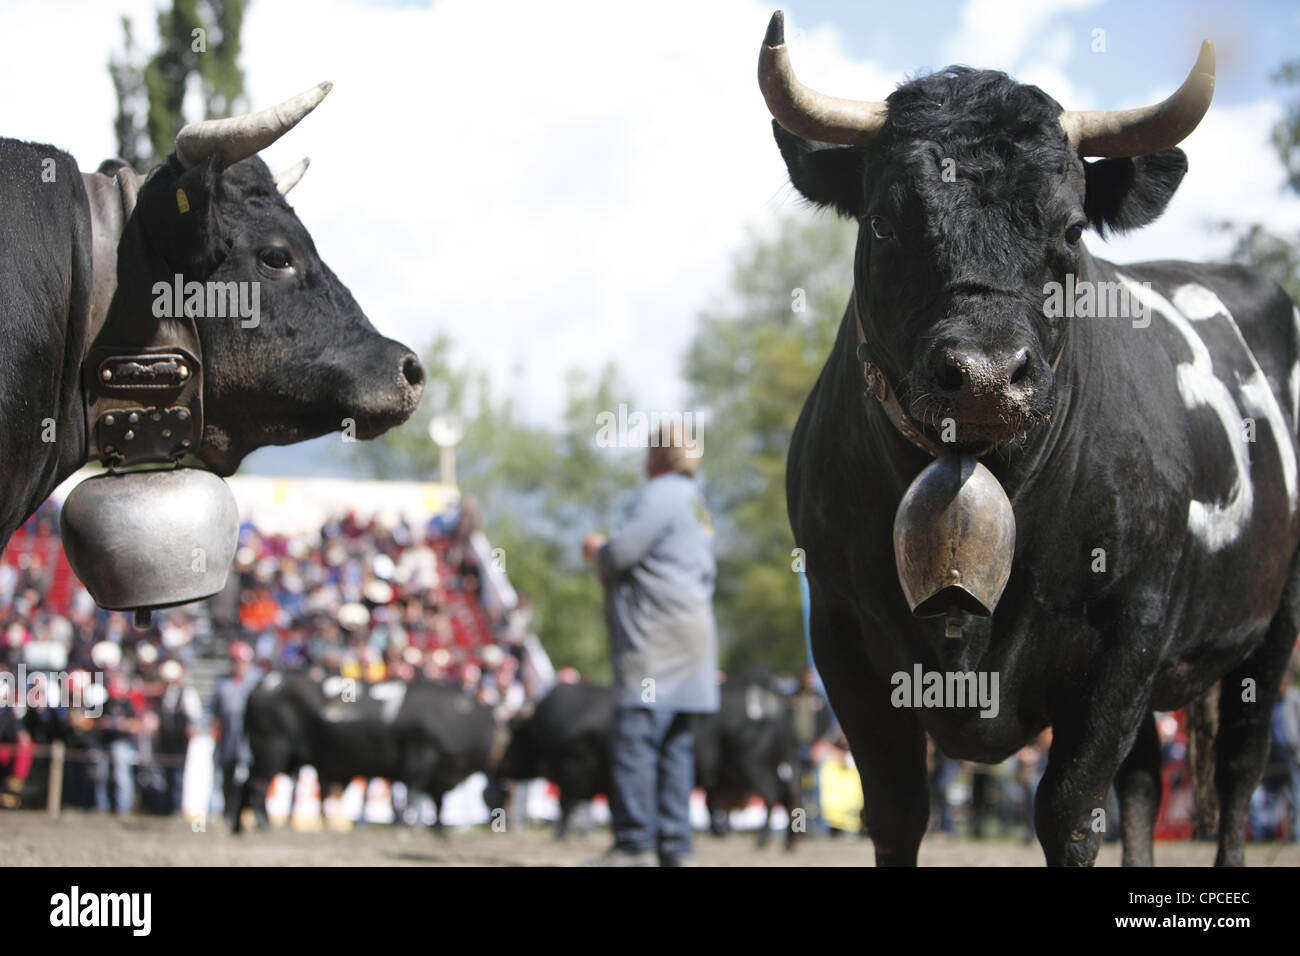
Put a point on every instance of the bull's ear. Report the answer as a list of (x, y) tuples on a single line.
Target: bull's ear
[(178, 214), (1124, 194), (824, 174)]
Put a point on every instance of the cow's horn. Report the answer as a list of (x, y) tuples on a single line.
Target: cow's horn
[(239, 137), (804, 111), (1148, 129), (286, 179)]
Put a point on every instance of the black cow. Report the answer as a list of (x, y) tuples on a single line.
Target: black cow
[(80, 255), (429, 736), (746, 749), (1150, 461), (566, 740)]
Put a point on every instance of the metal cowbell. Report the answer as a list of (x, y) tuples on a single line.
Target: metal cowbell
[(152, 538), (954, 538)]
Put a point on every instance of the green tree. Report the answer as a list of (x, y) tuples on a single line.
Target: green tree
[(197, 39), (1278, 257), (750, 367)]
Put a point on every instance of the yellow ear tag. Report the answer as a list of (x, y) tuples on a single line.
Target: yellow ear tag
[(182, 201)]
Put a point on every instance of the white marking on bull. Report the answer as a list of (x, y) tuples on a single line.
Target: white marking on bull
[(335, 686), (1215, 525), (1198, 303), (272, 680), (390, 694), (1260, 400), (1295, 366)]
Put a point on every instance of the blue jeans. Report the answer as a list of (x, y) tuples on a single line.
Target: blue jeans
[(119, 764), (653, 770)]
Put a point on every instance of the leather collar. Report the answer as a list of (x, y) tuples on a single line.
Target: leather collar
[(879, 388), (142, 377)]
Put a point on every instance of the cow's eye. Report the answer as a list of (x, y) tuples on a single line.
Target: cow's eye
[(880, 228), (276, 259), (1074, 233)]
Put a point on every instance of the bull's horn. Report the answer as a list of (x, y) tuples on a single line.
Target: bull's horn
[(241, 136), (286, 179), (804, 111), (1148, 129)]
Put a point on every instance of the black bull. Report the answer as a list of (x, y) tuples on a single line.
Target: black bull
[(1150, 456), (745, 750), (80, 256), (428, 736)]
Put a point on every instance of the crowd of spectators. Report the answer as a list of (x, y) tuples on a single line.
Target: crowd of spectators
[(366, 599), (371, 600)]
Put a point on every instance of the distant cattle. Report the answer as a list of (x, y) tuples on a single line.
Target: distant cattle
[(428, 736), (566, 740), (747, 749), (743, 751)]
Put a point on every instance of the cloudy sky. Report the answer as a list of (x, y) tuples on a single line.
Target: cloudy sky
[(560, 184)]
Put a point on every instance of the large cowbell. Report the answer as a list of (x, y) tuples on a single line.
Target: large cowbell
[(954, 538), (153, 538)]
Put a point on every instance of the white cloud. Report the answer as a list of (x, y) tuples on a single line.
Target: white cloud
[(559, 184), (996, 34)]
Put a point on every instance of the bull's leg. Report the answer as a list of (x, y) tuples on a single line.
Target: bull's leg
[(888, 744), (719, 822), (567, 805), (1139, 787), (1091, 731), (1246, 698), (269, 758), (439, 830), (765, 831), (794, 808)]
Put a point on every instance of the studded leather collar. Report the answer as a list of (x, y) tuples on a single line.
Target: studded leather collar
[(142, 377)]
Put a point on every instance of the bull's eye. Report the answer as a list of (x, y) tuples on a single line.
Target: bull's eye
[(276, 259), (1074, 233), (880, 228)]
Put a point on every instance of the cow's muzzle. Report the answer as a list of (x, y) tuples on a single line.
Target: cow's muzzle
[(972, 395), (388, 393)]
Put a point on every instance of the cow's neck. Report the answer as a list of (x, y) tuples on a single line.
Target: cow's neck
[(112, 199)]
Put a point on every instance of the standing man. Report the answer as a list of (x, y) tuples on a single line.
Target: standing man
[(179, 712), (658, 572), (232, 751)]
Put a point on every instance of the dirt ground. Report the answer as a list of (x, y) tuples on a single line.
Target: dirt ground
[(81, 839)]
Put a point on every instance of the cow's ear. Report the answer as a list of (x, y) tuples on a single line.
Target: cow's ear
[(824, 174), (1124, 194), (178, 215)]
